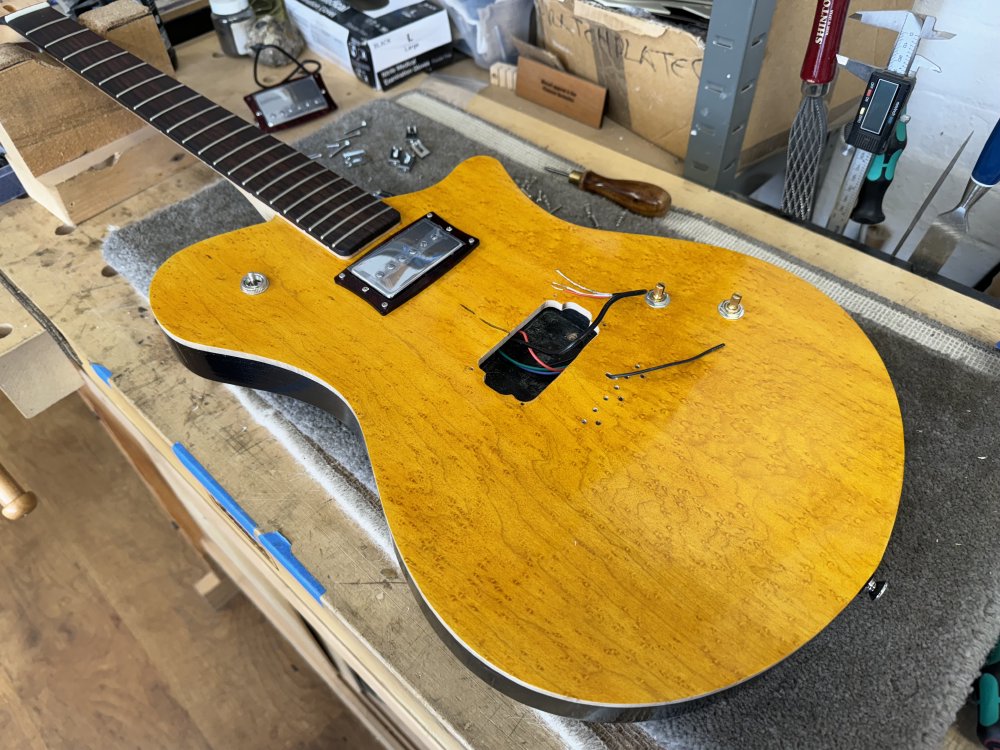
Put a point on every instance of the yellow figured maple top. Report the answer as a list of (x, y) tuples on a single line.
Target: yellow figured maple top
[(640, 545)]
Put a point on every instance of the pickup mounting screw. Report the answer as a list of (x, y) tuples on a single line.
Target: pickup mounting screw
[(253, 283), (732, 308), (657, 296)]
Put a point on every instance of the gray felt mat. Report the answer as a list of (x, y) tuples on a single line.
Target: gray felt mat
[(889, 674)]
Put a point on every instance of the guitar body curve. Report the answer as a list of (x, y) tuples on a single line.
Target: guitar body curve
[(612, 548)]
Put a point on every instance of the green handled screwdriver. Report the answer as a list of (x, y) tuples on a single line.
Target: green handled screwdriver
[(879, 177)]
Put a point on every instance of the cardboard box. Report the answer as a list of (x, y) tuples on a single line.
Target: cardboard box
[(561, 92), (652, 69), (382, 46)]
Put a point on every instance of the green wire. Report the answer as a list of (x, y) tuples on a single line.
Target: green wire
[(529, 368)]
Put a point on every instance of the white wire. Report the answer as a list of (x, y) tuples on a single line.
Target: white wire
[(578, 287)]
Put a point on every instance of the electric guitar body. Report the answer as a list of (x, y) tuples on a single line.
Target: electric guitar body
[(595, 545), (610, 547)]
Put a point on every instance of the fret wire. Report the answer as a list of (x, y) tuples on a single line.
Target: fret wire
[(192, 117), (137, 85), (89, 46), (50, 23), (195, 134), (238, 148), (367, 221), (101, 62), (323, 203), (303, 181), (308, 195), (293, 170), (144, 102), (255, 156), (329, 213), (217, 141), (175, 106), (327, 200), (259, 172), (127, 70), (66, 36), (364, 229)]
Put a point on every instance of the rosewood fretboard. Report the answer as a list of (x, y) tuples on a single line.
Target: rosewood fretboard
[(328, 208)]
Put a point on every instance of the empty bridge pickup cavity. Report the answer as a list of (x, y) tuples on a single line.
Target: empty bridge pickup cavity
[(407, 263), (510, 368)]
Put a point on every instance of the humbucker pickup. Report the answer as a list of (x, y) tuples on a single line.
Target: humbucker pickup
[(407, 263)]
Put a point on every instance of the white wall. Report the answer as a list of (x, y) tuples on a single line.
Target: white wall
[(945, 107)]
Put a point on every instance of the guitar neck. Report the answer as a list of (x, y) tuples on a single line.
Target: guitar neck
[(324, 206)]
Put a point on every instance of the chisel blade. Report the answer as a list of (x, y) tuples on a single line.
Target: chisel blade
[(938, 244), (931, 194)]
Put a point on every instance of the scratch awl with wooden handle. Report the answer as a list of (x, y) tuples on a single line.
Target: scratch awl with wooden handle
[(643, 198)]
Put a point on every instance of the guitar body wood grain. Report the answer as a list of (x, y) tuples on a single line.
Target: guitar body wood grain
[(598, 551)]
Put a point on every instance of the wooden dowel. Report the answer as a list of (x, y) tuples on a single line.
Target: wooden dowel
[(14, 501)]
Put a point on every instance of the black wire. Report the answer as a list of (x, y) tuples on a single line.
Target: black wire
[(300, 65), (586, 332), (665, 366)]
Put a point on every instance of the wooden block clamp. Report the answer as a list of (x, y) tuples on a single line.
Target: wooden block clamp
[(75, 150)]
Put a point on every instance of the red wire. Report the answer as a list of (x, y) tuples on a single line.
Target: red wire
[(535, 356)]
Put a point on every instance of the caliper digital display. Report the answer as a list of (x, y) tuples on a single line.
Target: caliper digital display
[(881, 105)]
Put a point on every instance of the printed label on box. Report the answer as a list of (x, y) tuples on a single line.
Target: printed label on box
[(382, 47)]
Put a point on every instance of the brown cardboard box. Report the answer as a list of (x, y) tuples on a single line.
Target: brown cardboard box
[(651, 69)]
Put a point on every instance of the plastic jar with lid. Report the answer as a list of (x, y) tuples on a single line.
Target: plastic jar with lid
[(232, 20)]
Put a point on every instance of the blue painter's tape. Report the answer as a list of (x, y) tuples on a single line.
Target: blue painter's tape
[(209, 482), (102, 372), (281, 550)]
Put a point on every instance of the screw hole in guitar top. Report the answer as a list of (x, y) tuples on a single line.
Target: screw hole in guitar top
[(65, 229), (107, 272), (6, 329)]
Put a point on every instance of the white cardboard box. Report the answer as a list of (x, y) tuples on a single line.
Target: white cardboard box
[(382, 46)]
